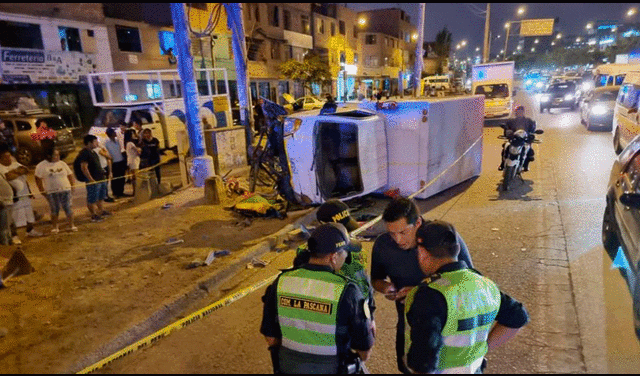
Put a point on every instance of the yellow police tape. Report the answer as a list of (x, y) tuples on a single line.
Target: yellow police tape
[(153, 338)]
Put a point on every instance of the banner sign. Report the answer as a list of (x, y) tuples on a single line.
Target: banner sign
[(38, 66), (538, 27)]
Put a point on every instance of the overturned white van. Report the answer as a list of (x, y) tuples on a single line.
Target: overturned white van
[(369, 148)]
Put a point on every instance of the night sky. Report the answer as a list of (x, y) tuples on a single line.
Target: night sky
[(464, 21)]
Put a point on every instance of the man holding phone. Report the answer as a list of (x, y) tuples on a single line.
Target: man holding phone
[(394, 261)]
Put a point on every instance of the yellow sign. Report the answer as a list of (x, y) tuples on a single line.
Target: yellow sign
[(220, 104), (539, 27)]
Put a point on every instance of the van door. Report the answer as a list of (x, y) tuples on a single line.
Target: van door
[(627, 116)]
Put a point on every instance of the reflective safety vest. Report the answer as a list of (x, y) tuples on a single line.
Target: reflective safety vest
[(307, 310), (473, 302), (354, 271)]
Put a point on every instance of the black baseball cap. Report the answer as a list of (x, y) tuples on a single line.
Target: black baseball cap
[(336, 211), (329, 238), (437, 234)]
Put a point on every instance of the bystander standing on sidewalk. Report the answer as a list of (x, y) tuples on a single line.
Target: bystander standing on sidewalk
[(150, 155), (22, 210), (56, 183), (6, 202), (118, 163), (45, 136), (7, 137), (133, 155), (106, 164), (87, 169)]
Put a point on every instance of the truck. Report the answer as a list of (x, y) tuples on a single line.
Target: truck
[(416, 146), (495, 82)]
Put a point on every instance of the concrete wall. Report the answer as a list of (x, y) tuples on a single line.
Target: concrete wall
[(85, 12)]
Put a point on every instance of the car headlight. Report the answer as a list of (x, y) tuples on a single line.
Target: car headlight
[(291, 125), (568, 97), (544, 98), (586, 86), (599, 110), (528, 82), (539, 84)]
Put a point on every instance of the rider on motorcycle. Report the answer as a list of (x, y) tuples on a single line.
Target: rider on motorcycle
[(519, 123)]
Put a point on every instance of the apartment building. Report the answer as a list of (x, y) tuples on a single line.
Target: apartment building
[(335, 40), (47, 51), (275, 33), (388, 41)]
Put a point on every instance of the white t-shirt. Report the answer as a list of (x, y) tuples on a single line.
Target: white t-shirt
[(133, 157), (103, 160), (54, 175), (19, 184)]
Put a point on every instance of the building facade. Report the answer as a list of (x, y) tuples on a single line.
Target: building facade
[(388, 41), (47, 51)]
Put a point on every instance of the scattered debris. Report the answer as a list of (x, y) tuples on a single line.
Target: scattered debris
[(256, 263), (167, 205), (224, 252), (172, 241), (281, 248), (244, 223), (194, 264), (495, 229), (523, 249), (210, 258), (3, 332)]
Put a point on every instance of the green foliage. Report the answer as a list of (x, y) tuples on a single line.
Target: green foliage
[(312, 70), (442, 48)]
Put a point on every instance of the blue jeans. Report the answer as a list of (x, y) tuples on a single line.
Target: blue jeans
[(59, 200)]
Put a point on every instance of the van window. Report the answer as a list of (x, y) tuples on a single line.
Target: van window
[(23, 125), (601, 80), (619, 79), (143, 116), (54, 123), (628, 96)]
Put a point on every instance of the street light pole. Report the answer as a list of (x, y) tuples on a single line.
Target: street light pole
[(506, 40), (485, 50), (417, 67)]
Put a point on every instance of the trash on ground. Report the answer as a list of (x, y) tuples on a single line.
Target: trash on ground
[(224, 252), (194, 264), (281, 248), (495, 229), (256, 263), (172, 241), (523, 249), (210, 258), (167, 206), (254, 205)]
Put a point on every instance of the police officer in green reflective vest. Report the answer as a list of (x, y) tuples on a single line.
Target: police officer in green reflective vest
[(338, 212), (450, 316), (315, 320)]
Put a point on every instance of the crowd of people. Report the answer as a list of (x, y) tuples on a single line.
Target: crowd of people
[(114, 163)]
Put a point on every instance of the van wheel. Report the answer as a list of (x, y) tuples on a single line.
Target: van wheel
[(24, 156), (609, 235), (616, 142)]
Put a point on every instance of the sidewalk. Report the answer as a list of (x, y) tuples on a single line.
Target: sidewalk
[(112, 283)]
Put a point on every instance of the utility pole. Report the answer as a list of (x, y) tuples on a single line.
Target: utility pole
[(202, 164), (236, 25), (417, 67), (485, 51)]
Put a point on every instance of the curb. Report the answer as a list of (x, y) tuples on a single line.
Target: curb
[(167, 314)]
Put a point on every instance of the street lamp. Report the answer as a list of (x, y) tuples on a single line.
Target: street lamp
[(578, 39), (559, 36), (631, 12), (533, 49), (589, 26), (521, 11), (477, 49), (536, 41), (362, 21), (463, 43)]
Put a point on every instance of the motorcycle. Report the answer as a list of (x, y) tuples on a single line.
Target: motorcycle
[(516, 149)]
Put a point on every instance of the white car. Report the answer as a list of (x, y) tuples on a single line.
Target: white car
[(303, 103)]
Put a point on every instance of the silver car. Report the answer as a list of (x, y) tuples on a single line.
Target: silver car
[(597, 108)]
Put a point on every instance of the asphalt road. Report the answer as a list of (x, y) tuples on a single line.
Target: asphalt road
[(540, 242)]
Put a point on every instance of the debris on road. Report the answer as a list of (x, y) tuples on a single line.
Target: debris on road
[(194, 264), (210, 258), (495, 229), (172, 241), (224, 252), (256, 263), (167, 205)]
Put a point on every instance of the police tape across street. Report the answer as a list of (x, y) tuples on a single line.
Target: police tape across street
[(164, 332)]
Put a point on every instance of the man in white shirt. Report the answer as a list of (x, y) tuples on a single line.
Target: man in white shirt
[(6, 202), (21, 211)]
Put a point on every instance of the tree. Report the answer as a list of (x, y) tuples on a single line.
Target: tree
[(442, 48), (312, 70)]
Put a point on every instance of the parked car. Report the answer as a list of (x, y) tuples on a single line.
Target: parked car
[(621, 222), (559, 95), (305, 103), (596, 110), (23, 123), (626, 121)]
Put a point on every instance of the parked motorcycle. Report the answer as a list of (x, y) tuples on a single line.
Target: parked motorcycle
[(516, 149)]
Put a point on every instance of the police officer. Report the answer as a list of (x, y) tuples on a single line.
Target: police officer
[(354, 267), (449, 316), (313, 318)]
